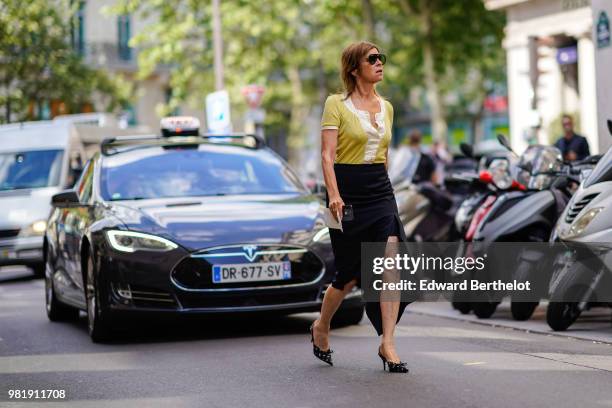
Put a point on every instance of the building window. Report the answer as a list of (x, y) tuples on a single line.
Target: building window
[(123, 36), (77, 36)]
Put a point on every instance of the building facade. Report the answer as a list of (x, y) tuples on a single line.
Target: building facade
[(551, 69), (103, 39)]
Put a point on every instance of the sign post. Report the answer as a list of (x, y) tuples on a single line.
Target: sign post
[(255, 116)]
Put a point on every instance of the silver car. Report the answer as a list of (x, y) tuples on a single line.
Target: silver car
[(37, 160)]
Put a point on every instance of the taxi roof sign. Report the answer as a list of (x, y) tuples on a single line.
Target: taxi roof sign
[(180, 126)]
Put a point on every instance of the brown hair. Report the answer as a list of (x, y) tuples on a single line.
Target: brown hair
[(351, 58)]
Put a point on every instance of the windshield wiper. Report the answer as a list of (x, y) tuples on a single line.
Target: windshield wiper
[(130, 198)]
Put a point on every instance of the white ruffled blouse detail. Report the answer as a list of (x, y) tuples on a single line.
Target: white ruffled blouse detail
[(375, 136)]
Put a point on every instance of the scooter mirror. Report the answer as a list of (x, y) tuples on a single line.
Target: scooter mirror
[(610, 126), (504, 142), (466, 149)]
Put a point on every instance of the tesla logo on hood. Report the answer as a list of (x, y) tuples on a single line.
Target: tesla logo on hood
[(250, 252)]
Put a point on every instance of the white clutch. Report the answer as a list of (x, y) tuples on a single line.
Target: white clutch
[(330, 221)]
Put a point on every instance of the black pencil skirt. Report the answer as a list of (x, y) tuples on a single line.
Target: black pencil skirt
[(368, 189)]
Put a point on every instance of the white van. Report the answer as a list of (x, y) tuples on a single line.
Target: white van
[(37, 160)]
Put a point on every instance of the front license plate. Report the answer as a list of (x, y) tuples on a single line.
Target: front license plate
[(251, 272), (7, 254)]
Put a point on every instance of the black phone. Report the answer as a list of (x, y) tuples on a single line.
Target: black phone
[(347, 213)]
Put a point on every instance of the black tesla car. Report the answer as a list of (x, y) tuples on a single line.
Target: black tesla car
[(186, 224)]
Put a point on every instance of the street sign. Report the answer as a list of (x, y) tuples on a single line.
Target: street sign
[(603, 30), (253, 95), (218, 112), (567, 55)]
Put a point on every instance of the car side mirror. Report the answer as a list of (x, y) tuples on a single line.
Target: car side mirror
[(65, 198), (610, 126)]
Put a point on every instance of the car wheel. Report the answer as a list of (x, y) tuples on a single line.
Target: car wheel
[(39, 270), (98, 319), (56, 310), (348, 317)]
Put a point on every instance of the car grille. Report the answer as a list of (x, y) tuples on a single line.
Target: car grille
[(195, 271), (9, 233), (576, 207), (193, 300)]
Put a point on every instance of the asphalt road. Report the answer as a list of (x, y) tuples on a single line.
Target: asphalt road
[(258, 362)]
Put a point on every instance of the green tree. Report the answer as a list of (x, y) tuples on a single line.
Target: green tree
[(446, 44), (293, 47), (37, 62)]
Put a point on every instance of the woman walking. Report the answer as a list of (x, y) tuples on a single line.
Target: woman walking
[(355, 135)]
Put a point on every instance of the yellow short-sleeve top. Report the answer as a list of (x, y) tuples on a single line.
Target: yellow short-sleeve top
[(359, 142)]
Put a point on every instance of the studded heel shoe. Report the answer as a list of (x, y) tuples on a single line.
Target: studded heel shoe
[(393, 367), (323, 355)]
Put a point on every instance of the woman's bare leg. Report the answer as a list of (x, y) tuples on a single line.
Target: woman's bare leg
[(389, 310), (331, 302)]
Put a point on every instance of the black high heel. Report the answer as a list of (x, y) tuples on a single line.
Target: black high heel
[(323, 355), (393, 367)]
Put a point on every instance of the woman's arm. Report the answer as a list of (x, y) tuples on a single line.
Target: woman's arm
[(329, 141)]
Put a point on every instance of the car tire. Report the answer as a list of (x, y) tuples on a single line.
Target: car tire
[(348, 317), (98, 315), (39, 270), (56, 310)]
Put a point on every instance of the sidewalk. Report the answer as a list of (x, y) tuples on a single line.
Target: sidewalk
[(594, 325)]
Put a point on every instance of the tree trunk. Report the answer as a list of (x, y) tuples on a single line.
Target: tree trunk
[(368, 20), (299, 112), (439, 127)]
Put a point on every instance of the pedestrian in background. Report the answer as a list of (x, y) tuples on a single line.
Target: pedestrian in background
[(355, 136), (441, 158), (572, 146), (423, 166)]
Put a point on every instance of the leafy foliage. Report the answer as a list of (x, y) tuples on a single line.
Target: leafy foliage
[(38, 64), (293, 47)]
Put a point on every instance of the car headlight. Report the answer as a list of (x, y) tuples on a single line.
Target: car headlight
[(130, 241), (583, 221), (35, 229), (321, 236)]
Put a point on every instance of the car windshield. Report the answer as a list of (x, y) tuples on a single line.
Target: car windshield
[(207, 170), (30, 169)]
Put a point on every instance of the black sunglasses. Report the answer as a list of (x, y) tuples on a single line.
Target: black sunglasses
[(373, 57)]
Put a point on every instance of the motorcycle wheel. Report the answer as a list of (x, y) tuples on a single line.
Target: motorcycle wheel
[(561, 315), (484, 310), (520, 308), (523, 310)]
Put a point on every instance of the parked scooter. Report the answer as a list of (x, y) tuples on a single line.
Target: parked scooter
[(528, 216), (424, 208), (488, 185), (585, 225)]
